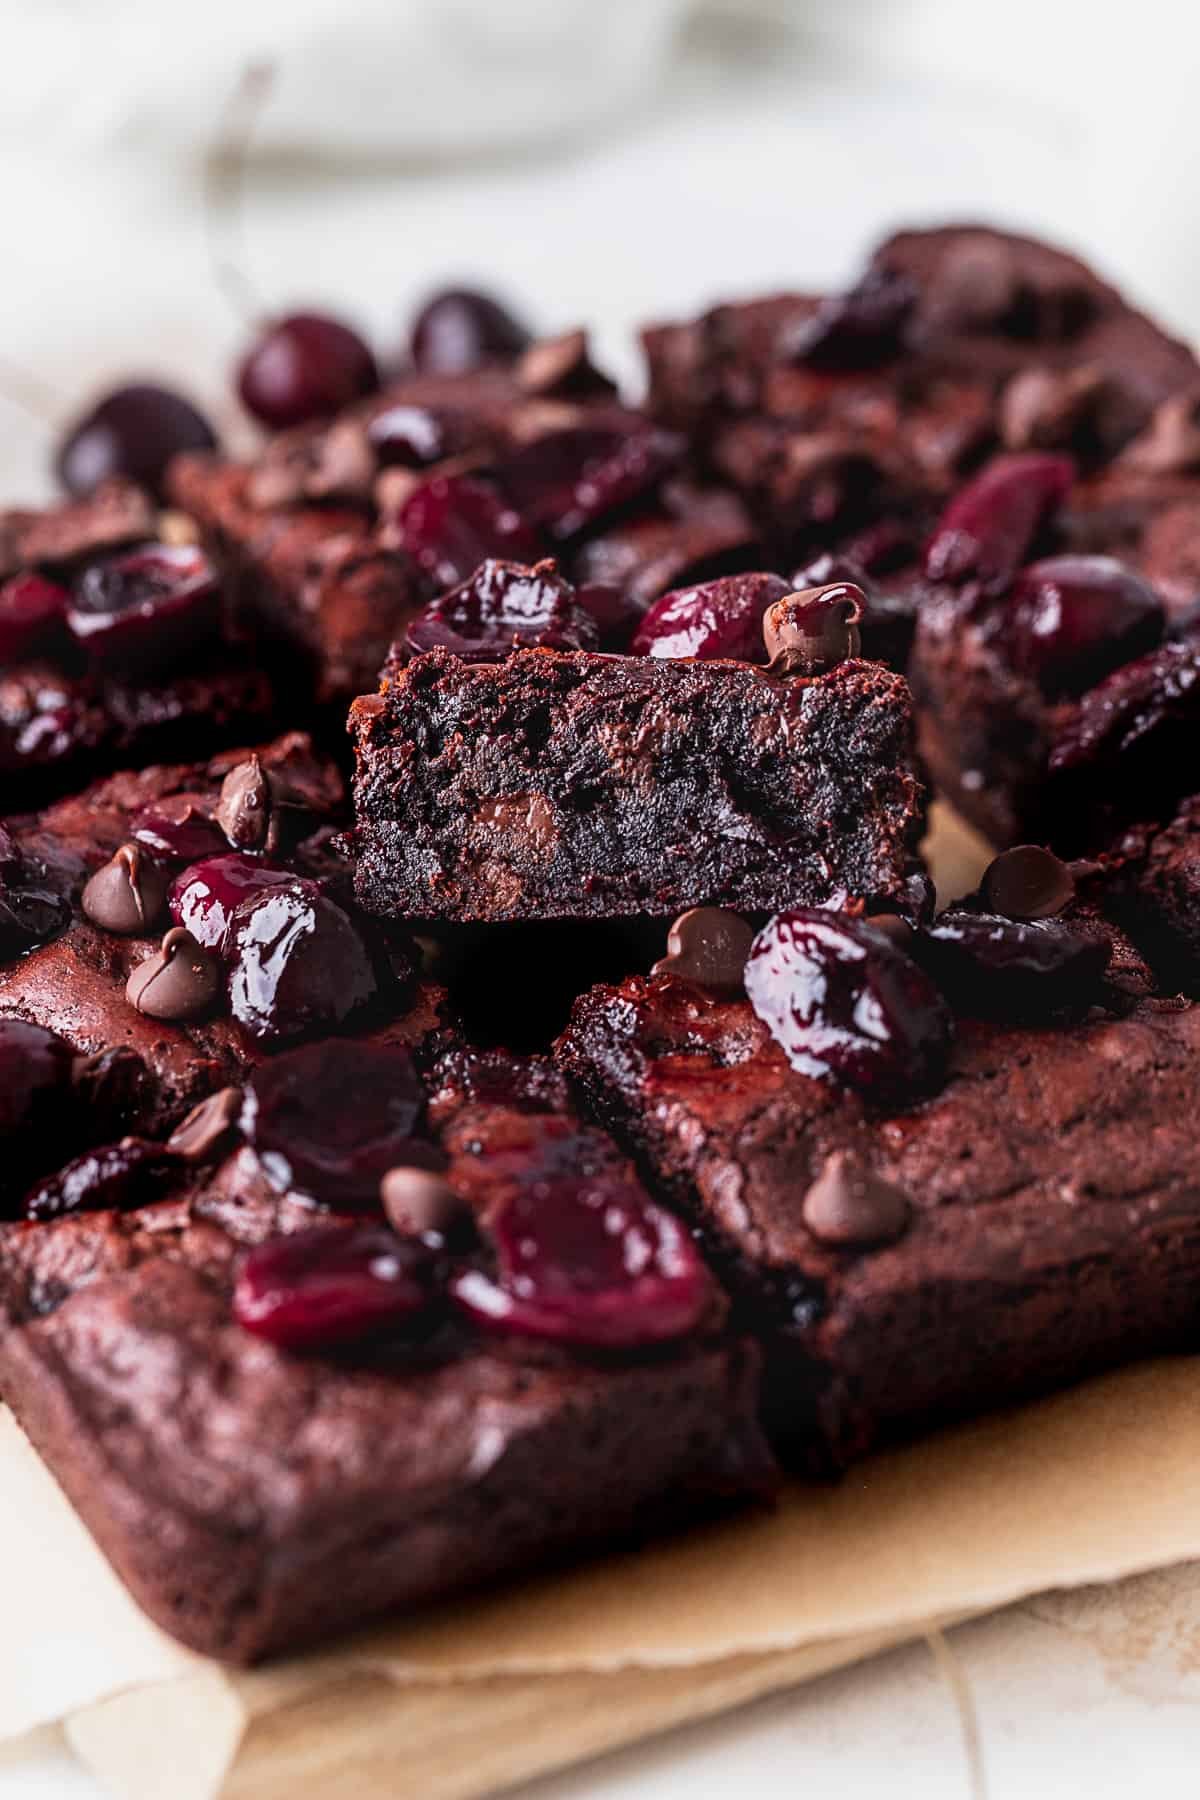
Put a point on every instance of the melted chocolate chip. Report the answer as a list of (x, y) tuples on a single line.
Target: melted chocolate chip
[(850, 1205), (1028, 882), (813, 629), (208, 1127), (244, 809), (418, 1201), (180, 981), (128, 895), (708, 947)]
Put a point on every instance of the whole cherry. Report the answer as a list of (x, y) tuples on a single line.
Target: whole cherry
[(133, 431), (302, 367)]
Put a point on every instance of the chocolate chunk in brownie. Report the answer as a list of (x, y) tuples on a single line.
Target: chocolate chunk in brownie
[(580, 786)]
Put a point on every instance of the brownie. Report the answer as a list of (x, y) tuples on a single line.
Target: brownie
[(167, 681), (338, 536), (64, 971), (571, 785), (256, 1496), (1025, 1217)]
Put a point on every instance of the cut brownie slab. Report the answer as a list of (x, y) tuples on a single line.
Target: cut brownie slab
[(231, 860), (113, 646), (279, 1423), (556, 785), (921, 1221)]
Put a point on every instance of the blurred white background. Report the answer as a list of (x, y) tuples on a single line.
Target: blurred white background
[(606, 161), (593, 159)]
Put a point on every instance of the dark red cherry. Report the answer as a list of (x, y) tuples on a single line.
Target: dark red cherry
[(566, 480), (304, 367), (146, 608), (990, 526), (841, 999), (330, 1119), (1072, 619), (1014, 969), (336, 1284), (179, 826), (35, 1067), (584, 1258), (721, 618), (408, 437), (451, 524), (134, 1172), (297, 963), (1150, 699), (461, 329), (860, 328), (31, 614), (504, 606), (133, 431), (205, 896)]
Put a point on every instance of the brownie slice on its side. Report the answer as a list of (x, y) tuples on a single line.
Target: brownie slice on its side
[(114, 647), (580, 786), (907, 1258), (258, 1485)]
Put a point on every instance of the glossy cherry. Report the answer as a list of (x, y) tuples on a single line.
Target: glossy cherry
[(501, 607), (1139, 702), (133, 1172), (336, 1284), (331, 1118), (32, 610), (179, 827), (1016, 969), (451, 524), (582, 1256), (721, 618), (146, 608), (569, 479), (460, 329), (1072, 619), (297, 963), (408, 437), (992, 523), (303, 367), (205, 895), (843, 1001), (134, 432)]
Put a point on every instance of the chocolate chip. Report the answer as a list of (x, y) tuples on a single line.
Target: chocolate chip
[(708, 947), (1051, 409), (1028, 882), (128, 895), (180, 981), (244, 809), (849, 1204), (417, 1201), (208, 1127), (561, 366), (813, 629), (1170, 444)]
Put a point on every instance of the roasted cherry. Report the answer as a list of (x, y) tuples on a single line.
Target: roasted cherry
[(204, 897), (1072, 619), (721, 618), (992, 523), (1014, 969), (133, 431), (1142, 701), (334, 1285), (451, 524), (146, 608), (297, 963), (504, 606), (568, 479), (134, 1172), (461, 329), (841, 999), (331, 1118), (179, 826), (304, 367), (583, 1257), (32, 610)]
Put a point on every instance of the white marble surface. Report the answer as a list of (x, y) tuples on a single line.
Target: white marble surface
[(761, 156)]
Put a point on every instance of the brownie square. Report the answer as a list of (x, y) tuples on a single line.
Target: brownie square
[(582, 786), (1053, 1217), (255, 1498)]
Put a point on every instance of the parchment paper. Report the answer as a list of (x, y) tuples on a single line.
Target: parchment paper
[(1089, 1485)]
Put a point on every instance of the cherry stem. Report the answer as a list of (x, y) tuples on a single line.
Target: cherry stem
[(225, 187)]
